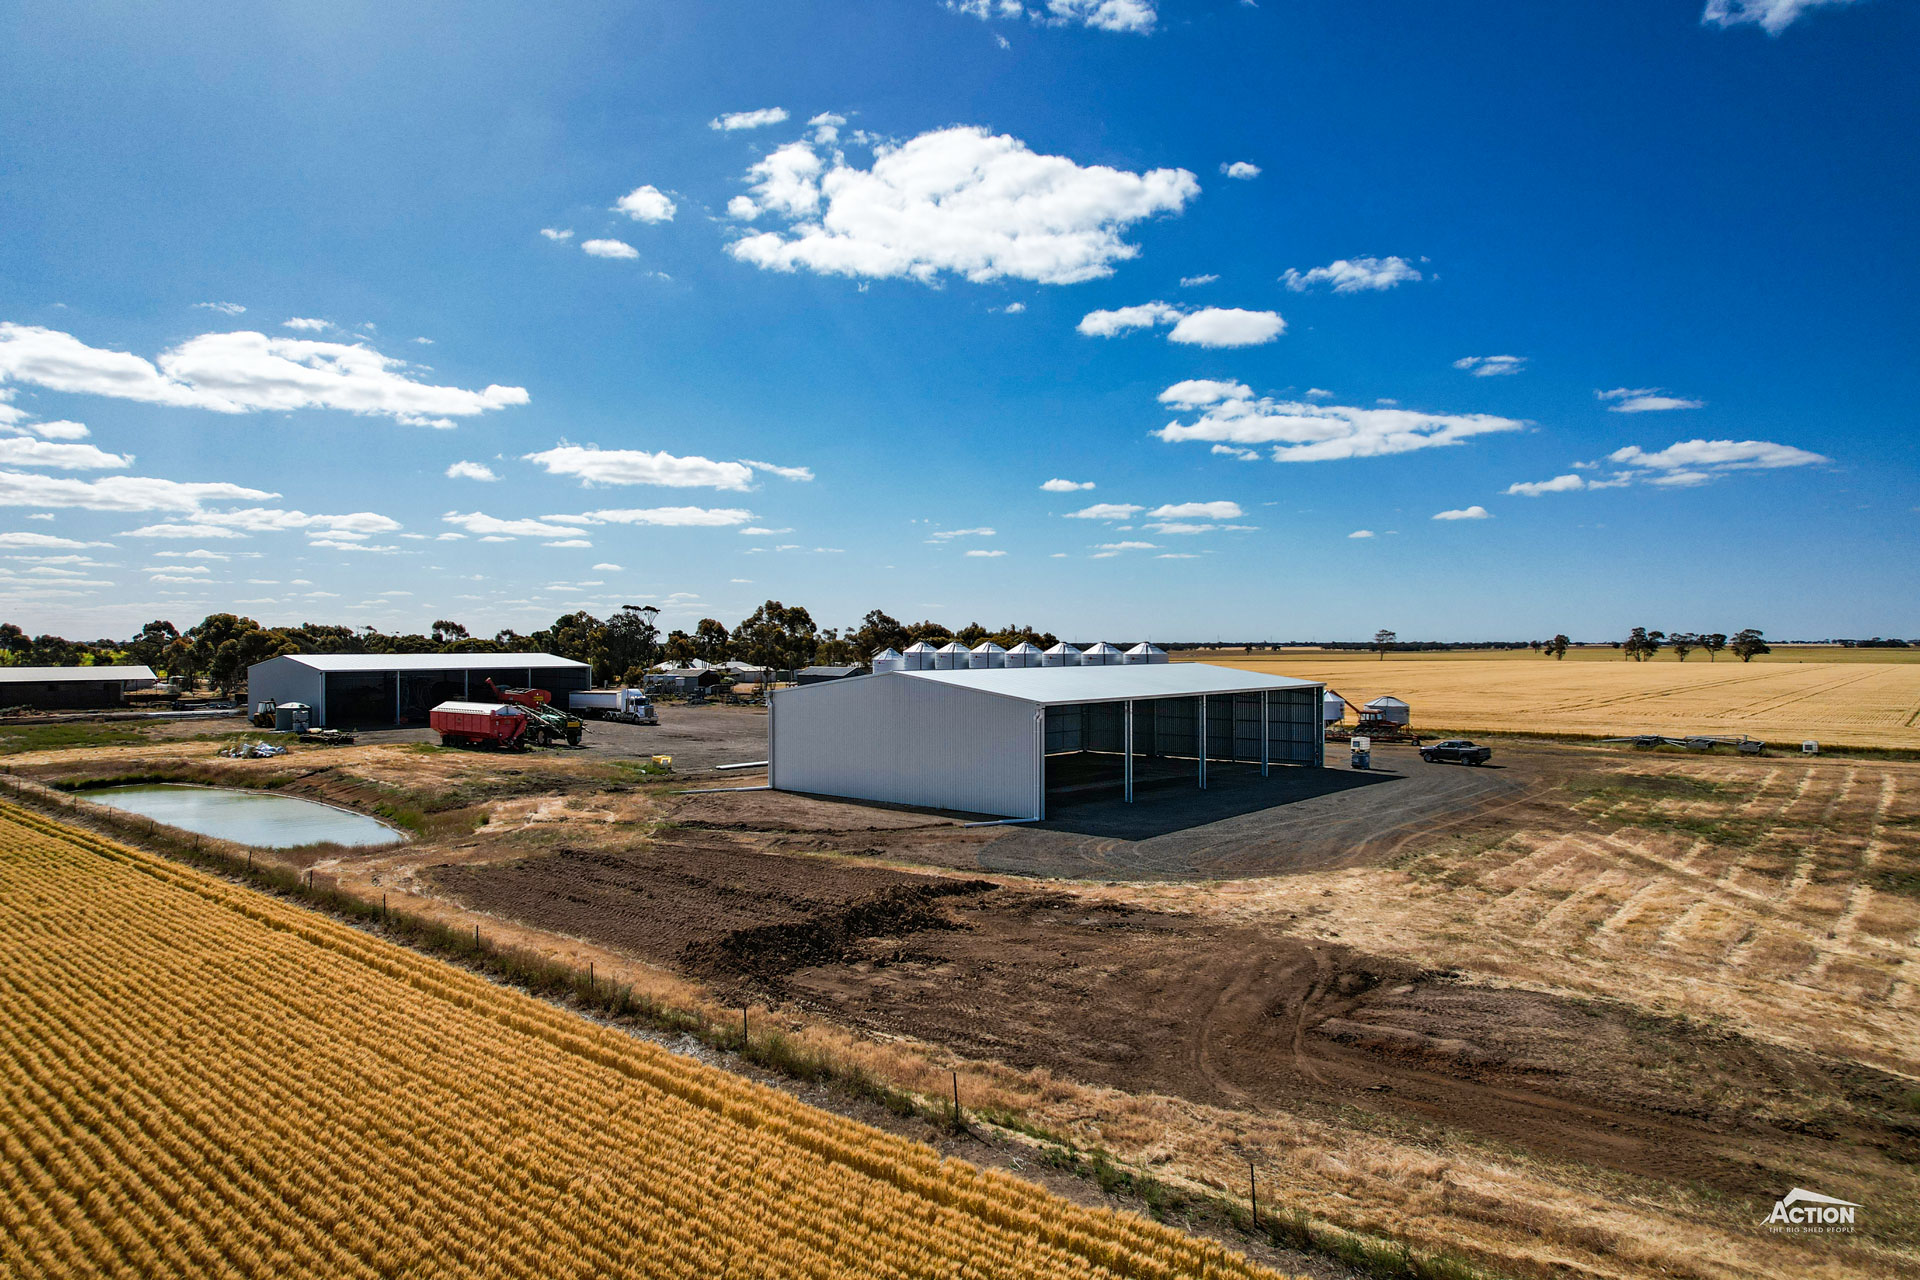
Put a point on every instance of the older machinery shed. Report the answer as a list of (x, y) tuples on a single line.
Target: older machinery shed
[(370, 690), (1002, 741), (70, 688)]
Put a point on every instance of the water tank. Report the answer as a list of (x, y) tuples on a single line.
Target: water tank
[(292, 717), (918, 656), (1144, 654), (888, 659), (1062, 655), (1101, 655), (1024, 655), (952, 657), (988, 656)]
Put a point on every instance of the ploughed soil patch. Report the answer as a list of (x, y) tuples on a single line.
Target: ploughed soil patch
[(1235, 1015)]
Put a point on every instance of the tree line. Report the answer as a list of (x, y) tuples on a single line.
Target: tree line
[(619, 648), (1642, 644)]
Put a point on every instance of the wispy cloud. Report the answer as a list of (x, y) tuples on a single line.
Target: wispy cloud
[(1132, 16), (1644, 400), (592, 465), (1353, 275), (1464, 513), (1207, 327), (1771, 16), (1491, 366)]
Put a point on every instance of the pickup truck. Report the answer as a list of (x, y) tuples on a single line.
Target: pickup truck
[(1456, 751)]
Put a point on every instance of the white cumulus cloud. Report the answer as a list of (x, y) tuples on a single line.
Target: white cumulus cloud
[(593, 465), (646, 204), (555, 233), (1464, 513), (1106, 511), (1108, 324), (243, 372), (1227, 327), (1302, 432), (471, 471), (959, 200), (1361, 533), (1534, 488), (737, 120), (1245, 170), (985, 555), (1198, 511), (1066, 486), (46, 540), (1194, 282), (1207, 327), (19, 451), (608, 249), (686, 517), (1353, 275)]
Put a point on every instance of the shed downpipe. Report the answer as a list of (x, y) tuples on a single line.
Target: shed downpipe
[(1129, 749)]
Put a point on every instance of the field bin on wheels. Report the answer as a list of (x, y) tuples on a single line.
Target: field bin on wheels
[(479, 724)]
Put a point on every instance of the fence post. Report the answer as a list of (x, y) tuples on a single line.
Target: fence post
[(956, 1100), (1253, 1194)]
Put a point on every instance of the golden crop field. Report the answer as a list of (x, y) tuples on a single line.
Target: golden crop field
[(197, 1079), (1850, 703)]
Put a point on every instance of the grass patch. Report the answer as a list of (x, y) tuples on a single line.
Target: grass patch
[(15, 739)]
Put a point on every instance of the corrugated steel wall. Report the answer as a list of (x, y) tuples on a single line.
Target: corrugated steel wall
[(285, 681), (906, 741)]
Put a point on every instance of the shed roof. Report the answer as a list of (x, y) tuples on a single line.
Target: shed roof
[(361, 662), (1061, 686), (61, 675)]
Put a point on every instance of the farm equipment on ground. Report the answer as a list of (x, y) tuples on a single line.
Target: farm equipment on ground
[(1697, 742), (499, 726), (546, 723)]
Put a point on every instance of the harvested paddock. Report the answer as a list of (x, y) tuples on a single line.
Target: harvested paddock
[(1854, 703)]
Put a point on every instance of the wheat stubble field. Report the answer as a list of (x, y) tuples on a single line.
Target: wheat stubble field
[(198, 1080), (1834, 696)]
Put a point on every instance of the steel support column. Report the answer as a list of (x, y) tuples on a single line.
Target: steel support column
[(1265, 728), (1203, 742), (1129, 746)]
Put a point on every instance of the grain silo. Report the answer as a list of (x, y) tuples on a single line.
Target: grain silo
[(988, 656), (1333, 708), (952, 656), (1144, 654), (1063, 655), (1387, 709), (918, 656), (1102, 655), (1024, 654), (888, 659)]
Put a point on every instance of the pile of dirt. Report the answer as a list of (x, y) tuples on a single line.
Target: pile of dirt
[(828, 936)]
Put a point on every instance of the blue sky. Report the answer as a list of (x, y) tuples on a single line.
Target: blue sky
[(808, 301)]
